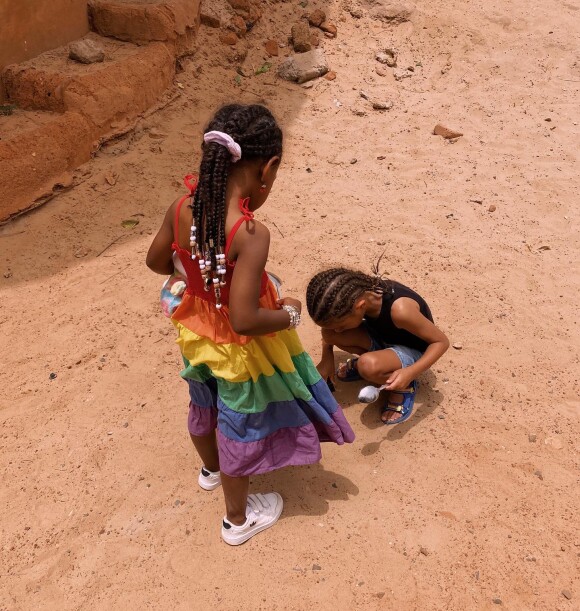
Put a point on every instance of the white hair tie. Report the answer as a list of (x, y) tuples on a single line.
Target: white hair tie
[(225, 140)]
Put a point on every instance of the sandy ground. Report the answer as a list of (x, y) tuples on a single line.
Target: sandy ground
[(474, 500)]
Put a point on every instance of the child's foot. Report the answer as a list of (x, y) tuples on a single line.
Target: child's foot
[(209, 480), (348, 372), (262, 512), (399, 405)]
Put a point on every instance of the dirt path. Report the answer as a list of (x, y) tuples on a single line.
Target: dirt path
[(476, 497)]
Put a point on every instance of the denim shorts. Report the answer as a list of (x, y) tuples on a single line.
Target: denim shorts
[(406, 355)]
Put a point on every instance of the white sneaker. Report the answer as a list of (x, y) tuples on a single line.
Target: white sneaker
[(209, 480), (263, 511)]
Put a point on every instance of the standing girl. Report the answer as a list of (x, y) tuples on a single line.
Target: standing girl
[(247, 372), (389, 325)]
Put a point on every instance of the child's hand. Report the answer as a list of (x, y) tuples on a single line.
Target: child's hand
[(326, 368), (291, 302), (399, 379)]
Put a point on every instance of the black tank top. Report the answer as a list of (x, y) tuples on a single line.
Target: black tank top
[(384, 328)]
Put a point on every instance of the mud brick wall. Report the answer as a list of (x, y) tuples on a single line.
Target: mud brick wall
[(30, 27)]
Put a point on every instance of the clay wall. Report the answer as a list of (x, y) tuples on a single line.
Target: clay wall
[(30, 27)]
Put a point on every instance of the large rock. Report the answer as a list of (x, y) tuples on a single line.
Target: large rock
[(392, 11), (304, 66), (86, 51)]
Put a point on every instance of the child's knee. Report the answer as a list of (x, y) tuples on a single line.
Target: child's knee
[(368, 365)]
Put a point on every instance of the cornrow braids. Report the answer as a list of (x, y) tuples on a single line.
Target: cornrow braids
[(331, 294), (254, 128)]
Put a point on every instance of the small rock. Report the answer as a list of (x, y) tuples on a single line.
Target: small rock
[(382, 105), (387, 56), (424, 551), (441, 416), (497, 601), (392, 12), (229, 38), (238, 25), (492, 208), (271, 47), (8, 275), (380, 594), (364, 95), (554, 442), (125, 425), (329, 29), (532, 438), (86, 51), (52, 376), (314, 39), (209, 16), (567, 594), (381, 70), (316, 18), (316, 567), (353, 161), (457, 345), (330, 76), (357, 13), (440, 130), (304, 66), (111, 179), (402, 73), (177, 503), (359, 111), (538, 474), (301, 37)]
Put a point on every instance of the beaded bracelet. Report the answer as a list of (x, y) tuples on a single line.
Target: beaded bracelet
[(294, 316)]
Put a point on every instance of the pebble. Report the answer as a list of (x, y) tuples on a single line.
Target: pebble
[(52, 376), (492, 208), (441, 417), (329, 29), (538, 474), (353, 161), (229, 38), (271, 47), (401, 74), (445, 132), (532, 438), (316, 567), (497, 601), (387, 56), (382, 105), (424, 551), (317, 18), (457, 346), (567, 594), (381, 70), (330, 76)]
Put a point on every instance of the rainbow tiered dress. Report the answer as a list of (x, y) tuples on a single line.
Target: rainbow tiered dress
[(270, 405)]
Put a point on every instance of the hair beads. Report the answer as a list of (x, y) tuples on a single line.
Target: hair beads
[(256, 132)]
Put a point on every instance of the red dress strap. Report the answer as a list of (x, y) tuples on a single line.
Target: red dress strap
[(247, 215), (191, 183)]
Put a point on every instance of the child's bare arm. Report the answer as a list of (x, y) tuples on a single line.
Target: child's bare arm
[(251, 245), (406, 315), (159, 258)]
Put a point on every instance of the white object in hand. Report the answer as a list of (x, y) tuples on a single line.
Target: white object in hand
[(178, 288), (369, 394)]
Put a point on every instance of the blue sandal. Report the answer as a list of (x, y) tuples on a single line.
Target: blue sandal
[(351, 373), (405, 408)]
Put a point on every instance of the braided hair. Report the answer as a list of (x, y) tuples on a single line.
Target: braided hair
[(254, 128), (331, 294)]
